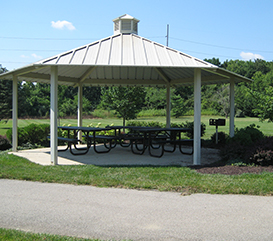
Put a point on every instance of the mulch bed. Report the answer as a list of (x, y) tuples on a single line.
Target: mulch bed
[(233, 170)]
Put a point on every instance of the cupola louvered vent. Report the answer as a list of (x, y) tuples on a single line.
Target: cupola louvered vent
[(125, 24)]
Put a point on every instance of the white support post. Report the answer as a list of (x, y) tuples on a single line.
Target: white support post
[(80, 110), (232, 107), (54, 115), (197, 118), (15, 113), (168, 108)]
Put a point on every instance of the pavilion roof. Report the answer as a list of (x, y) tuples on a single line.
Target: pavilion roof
[(123, 59)]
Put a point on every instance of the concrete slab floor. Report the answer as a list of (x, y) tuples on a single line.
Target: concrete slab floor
[(117, 156)]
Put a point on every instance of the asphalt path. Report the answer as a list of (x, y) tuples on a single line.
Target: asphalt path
[(110, 213)]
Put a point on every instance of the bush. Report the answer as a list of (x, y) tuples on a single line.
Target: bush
[(21, 136), (222, 138), (233, 151), (33, 134), (249, 146), (262, 157), (4, 143), (248, 135), (261, 152), (190, 125)]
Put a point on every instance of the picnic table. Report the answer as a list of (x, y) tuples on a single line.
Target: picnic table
[(91, 139), (158, 138), (138, 138)]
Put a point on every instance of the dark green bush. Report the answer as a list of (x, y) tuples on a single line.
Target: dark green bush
[(262, 157), (190, 125), (249, 146), (247, 135), (261, 152), (222, 138), (4, 143), (35, 134), (233, 151), (21, 136)]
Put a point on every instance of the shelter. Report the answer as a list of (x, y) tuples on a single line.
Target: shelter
[(124, 59)]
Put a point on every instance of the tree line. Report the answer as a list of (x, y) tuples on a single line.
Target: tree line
[(34, 98)]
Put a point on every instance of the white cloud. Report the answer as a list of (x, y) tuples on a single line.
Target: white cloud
[(250, 56), (36, 56), (62, 24)]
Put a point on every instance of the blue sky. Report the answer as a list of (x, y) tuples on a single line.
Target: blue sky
[(34, 30)]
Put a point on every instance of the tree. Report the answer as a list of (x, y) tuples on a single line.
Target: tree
[(35, 99), (5, 97), (264, 107), (179, 106), (127, 102), (155, 98), (214, 61)]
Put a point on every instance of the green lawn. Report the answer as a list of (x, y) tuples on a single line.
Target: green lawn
[(172, 178), (265, 127), (11, 235)]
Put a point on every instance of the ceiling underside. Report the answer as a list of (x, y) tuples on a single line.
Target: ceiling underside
[(74, 75)]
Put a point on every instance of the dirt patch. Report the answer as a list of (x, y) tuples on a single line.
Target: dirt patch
[(233, 170)]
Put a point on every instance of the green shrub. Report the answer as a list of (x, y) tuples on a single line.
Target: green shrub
[(233, 151), (261, 152), (190, 125), (4, 143), (222, 138), (262, 157), (249, 146), (20, 133), (34, 134), (247, 135)]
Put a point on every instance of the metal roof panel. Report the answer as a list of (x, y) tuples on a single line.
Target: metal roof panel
[(139, 51), (65, 58), (151, 56), (78, 56), (127, 50), (162, 55), (91, 54), (115, 55)]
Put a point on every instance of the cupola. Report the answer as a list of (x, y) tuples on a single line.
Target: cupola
[(125, 24)]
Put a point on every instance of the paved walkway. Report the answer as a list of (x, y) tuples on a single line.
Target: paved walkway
[(108, 213)]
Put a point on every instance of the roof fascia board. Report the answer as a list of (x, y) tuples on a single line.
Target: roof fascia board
[(22, 71), (38, 77), (28, 69), (233, 75)]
